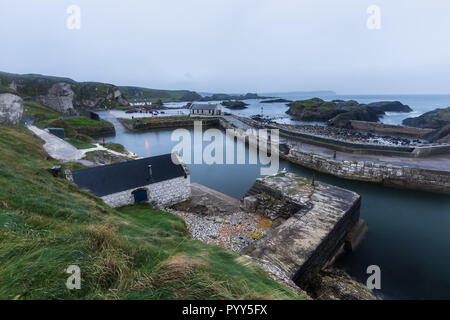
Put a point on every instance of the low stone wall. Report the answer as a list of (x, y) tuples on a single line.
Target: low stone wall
[(431, 151), (167, 124), (388, 128), (359, 148), (389, 175), (161, 194), (98, 132)]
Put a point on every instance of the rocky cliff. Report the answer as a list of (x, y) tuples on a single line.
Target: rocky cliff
[(59, 98), (63, 94), (11, 108)]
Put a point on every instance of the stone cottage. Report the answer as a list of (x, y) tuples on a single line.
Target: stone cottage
[(157, 180), (199, 109)]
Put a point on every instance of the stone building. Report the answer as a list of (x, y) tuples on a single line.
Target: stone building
[(157, 180), (198, 109)]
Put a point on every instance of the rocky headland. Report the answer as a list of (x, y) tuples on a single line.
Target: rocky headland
[(337, 112)]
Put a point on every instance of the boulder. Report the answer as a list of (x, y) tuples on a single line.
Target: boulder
[(59, 98), (435, 119), (11, 108)]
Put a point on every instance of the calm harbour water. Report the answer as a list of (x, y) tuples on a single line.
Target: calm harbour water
[(409, 232)]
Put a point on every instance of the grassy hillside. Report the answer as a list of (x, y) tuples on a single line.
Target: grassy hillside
[(47, 224), (155, 94)]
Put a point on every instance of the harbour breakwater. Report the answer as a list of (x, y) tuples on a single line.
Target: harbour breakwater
[(317, 221), (385, 174)]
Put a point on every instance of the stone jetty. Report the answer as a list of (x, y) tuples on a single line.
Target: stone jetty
[(312, 223)]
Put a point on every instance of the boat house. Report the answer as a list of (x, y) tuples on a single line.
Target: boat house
[(198, 109), (156, 180)]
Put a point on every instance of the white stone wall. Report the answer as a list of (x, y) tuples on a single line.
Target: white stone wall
[(163, 193), (169, 192)]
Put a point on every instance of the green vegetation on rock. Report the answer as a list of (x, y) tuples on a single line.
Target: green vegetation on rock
[(39, 112), (85, 122), (115, 146), (154, 95)]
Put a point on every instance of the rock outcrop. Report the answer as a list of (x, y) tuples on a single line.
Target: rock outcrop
[(363, 114), (234, 105), (435, 119), (314, 109), (59, 98), (439, 136), (336, 111), (11, 108)]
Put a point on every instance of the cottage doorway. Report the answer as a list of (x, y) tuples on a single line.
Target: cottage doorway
[(140, 195)]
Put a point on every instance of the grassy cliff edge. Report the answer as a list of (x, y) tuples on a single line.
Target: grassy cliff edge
[(135, 252)]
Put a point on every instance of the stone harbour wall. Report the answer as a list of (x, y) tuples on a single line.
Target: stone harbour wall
[(305, 242), (386, 174), (160, 194)]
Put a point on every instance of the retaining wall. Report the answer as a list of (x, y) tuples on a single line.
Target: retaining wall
[(389, 175)]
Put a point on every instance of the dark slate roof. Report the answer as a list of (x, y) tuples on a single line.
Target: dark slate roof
[(199, 106), (109, 179)]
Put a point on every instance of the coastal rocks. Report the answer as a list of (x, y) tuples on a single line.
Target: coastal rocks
[(223, 96), (435, 119), (234, 105), (276, 101), (358, 114), (313, 110), (335, 284), (439, 136), (11, 108), (338, 111), (59, 98), (388, 106)]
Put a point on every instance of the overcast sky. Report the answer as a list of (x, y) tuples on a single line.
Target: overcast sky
[(234, 45)]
